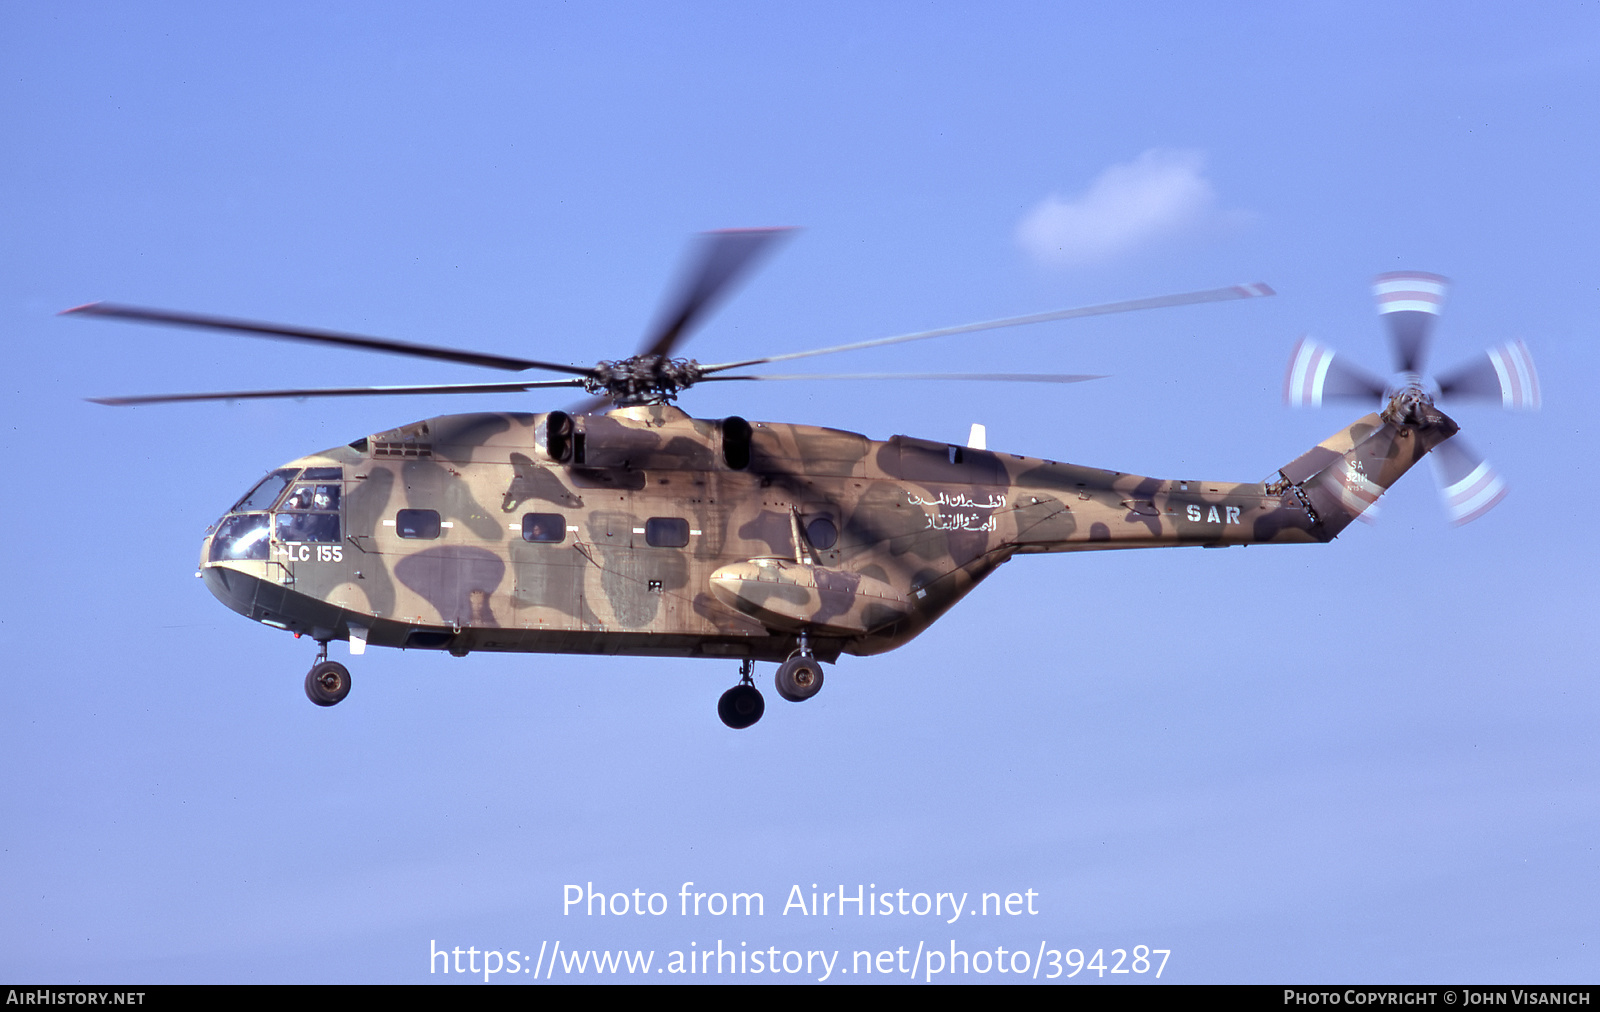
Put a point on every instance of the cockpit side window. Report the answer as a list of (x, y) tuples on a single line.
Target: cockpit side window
[(310, 512), (308, 527), (306, 496)]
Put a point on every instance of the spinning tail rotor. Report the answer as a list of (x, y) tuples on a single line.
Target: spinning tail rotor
[(1409, 302)]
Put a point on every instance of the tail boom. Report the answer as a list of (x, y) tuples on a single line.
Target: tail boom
[(1311, 499)]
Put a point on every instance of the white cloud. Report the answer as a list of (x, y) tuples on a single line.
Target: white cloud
[(1159, 194)]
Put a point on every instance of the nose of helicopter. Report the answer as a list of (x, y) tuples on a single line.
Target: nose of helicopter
[(234, 553), (250, 559), (232, 540), (231, 587)]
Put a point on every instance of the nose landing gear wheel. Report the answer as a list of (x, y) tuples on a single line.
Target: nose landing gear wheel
[(798, 679), (327, 683)]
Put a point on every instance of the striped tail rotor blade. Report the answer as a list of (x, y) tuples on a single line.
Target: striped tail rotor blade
[(1317, 373), (1410, 303), (1505, 374), (1470, 487)]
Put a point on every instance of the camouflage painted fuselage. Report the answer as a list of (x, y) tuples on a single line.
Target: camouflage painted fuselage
[(648, 532)]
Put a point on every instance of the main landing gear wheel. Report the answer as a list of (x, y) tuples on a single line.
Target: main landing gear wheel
[(327, 683), (742, 705), (799, 678)]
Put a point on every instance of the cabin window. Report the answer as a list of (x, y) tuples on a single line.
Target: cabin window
[(549, 528), (822, 532), (421, 524), (666, 532)]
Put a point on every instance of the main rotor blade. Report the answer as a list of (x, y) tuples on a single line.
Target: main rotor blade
[(243, 395), (724, 256), (1160, 302), (990, 377), (284, 332), (1470, 487), (1317, 373), (1504, 374), (1410, 303), (588, 406)]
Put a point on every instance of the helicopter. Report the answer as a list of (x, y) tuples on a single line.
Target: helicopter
[(622, 525)]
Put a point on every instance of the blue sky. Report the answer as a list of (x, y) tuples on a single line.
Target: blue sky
[(1373, 760)]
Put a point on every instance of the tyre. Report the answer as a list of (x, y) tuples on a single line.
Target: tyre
[(741, 706), (327, 683), (798, 679)]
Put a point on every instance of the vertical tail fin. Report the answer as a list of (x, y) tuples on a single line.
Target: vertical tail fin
[(1342, 477)]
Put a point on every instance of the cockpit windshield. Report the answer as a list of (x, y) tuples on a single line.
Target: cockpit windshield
[(266, 492), (240, 538), (307, 509)]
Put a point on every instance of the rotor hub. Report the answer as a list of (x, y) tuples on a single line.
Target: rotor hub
[(643, 379), (1412, 407)]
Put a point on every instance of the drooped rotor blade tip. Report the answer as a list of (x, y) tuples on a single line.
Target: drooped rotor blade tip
[(286, 332), (772, 230), (303, 394), (985, 377), (1231, 292)]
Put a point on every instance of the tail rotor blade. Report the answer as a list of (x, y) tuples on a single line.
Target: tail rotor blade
[(1316, 373), (1470, 487), (1505, 374), (1410, 303)]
